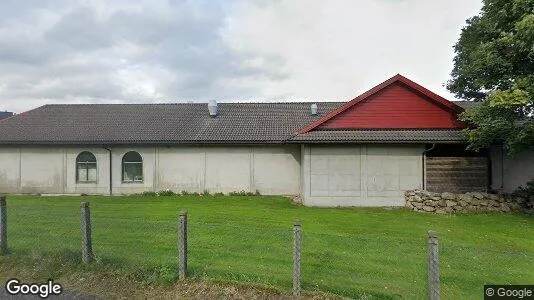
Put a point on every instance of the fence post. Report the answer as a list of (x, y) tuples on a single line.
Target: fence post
[(87, 243), (296, 258), (433, 266), (3, 225), (182, 245)]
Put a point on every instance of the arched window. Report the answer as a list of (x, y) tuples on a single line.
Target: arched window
[(132, 167), (86, 167)]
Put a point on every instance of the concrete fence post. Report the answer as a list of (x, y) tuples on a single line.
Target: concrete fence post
[(433, 266), (182, 245), (87, 242), (3, 225), (296, 258)]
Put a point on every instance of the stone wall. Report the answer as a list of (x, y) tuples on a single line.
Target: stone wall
[(424, 201)]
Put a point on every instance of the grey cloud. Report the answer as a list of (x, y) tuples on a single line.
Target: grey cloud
[(81, 30), (80, 56), (15, 9)]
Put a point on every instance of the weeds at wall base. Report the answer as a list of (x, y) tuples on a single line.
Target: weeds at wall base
[(205, 193)]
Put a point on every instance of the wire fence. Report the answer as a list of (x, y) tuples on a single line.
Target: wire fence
[(364, 265)]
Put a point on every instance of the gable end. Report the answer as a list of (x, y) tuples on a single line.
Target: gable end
[(397, 103)]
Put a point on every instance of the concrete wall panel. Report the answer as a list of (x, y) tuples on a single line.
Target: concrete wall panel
[(335, 171), (518, 170), (360, 175), (276, 170), (510, 172), (9, 170), (42, 170), (228, 169), (181, 168)]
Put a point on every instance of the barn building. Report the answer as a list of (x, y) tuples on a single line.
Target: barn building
[(395, 137)]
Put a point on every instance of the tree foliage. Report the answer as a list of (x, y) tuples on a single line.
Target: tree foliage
[(494, 63)]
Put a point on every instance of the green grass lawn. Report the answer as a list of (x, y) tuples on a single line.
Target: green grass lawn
[(351, 252)]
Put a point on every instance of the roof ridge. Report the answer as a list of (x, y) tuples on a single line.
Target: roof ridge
[(189, 103)]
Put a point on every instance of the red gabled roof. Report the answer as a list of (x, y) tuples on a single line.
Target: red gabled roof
[(435, 99)]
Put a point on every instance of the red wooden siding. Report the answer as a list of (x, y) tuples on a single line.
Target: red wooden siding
[(395, 106)]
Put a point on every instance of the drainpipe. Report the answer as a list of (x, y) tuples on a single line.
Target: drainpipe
[(424, 163), (110, 172)]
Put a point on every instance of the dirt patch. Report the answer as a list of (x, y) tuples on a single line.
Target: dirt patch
[(110, 286)]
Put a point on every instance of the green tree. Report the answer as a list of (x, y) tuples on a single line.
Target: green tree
[(494, 63)]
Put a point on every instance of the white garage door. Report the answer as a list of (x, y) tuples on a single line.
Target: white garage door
[(362, 175)]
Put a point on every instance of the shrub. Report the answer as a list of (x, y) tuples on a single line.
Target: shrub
[(149, 193), (184, 193), (166, 192), (206, 193), (218, 194), (240, 193), (526, 192), (244, 193)]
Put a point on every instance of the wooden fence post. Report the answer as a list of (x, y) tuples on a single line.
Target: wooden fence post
[(87, 243), (182, 245), (296, 258), (433, 266), (3, 225)]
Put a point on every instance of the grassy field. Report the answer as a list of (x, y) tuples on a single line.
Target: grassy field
[(374, 252)]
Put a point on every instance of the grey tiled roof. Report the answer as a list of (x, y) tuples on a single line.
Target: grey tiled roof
[(466, 104), (160, 123), (188, 123), (380, 136)]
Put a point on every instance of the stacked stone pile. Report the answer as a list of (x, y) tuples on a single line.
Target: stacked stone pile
[(424, 201)]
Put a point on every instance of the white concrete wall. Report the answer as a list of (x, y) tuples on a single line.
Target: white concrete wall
[(49, 170), (360, 175), (42, 169), (273, 170), (510, 172), (9, 170), (181, 168), (229, 169), (384, 171), (276, 170)]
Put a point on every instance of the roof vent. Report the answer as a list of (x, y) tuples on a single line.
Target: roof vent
[(313, 109), (212, 108)]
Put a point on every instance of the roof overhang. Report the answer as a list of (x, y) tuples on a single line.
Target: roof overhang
[(381, 136)]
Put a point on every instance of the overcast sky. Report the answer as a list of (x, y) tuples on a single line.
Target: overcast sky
[(126, 51)]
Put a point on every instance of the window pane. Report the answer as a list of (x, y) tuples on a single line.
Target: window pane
[(91, 172), (138, 172), (132, 156), (127, 172), (82, 173), (86, 157), (133, 172), (86, 167)]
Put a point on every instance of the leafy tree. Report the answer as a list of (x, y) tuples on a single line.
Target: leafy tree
[(494, 63)]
